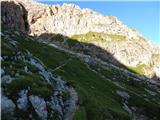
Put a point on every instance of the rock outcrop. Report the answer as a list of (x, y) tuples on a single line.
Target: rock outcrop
[(14, 15)]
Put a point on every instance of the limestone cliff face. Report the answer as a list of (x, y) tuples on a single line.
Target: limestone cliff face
[(69, 19)]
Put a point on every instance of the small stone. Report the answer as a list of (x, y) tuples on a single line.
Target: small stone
[(6, 79), (1, 58), (17, 75), (123, 94), (26, 69), (1, 34), (127, 109), (154, 82), (16, 32)]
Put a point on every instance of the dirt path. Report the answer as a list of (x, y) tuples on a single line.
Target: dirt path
[(62, 65)]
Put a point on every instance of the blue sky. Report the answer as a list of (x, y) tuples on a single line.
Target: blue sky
[(143, 16)]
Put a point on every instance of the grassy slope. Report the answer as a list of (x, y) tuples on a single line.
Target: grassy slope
[(38, 86), (97, 96), (95, 101), (98, 100), (92, 37)]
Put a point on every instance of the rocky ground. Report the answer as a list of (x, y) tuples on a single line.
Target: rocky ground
[(28, 87)]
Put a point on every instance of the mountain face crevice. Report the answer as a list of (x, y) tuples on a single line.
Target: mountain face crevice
[(25, 14)]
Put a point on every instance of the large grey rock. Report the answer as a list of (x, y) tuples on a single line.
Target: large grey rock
[(7, 105), (56, 105), (22, 102), (42, 70), (40, 106)]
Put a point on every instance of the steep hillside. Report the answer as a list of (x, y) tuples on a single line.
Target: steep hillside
[(29, 89), (30, 83), (137, 54), (67, 63)]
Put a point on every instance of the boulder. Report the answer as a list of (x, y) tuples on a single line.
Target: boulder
[(40, 106), (7, 106), (22, 102)]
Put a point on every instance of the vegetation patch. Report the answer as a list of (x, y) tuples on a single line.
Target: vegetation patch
[(92, 37), (95, 93), (139, 69), (33, 82)]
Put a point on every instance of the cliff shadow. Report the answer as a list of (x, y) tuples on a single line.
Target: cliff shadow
[(88, 49), (93, 51)]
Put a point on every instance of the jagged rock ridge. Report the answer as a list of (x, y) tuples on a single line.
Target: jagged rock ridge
[(68, 19)]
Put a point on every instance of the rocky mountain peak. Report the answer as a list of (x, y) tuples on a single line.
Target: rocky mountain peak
[(70, 19)]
